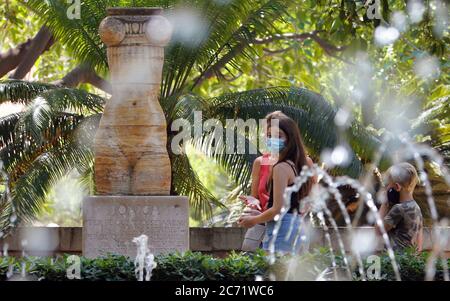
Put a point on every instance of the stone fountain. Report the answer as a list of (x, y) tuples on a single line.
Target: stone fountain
[(132, 166)]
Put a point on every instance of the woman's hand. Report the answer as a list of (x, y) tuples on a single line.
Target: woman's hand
[(247, 221), (251, 212), (251, 202)]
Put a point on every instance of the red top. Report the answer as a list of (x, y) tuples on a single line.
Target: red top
[(264, 172)]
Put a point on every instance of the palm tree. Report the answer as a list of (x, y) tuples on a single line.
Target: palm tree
[(54, 134)]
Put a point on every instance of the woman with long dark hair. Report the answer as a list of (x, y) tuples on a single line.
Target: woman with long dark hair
[(288, 155)]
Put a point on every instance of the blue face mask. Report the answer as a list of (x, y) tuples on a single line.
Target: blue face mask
[(275, 145)]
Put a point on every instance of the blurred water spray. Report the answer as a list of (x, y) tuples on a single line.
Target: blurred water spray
[(427, 67), (190, 28), (144, 261), (364, 241), (39, 240), (400, 21), (416, 10), (386, 35), (441, 18)]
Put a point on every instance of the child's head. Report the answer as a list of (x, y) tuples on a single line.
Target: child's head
[(402, 175)]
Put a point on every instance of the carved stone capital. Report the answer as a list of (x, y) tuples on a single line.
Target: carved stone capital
[(146, 26), (112, 31)]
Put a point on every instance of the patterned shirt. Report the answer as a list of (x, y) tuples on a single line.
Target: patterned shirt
[(407, 222)]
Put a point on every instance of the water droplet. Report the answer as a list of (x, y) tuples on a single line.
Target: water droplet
[(340, 155), (416, 9), (190, 27), (342, 118), (10, 272), (364, 241), (370, 217), (13, 218), (399, 21), (24, 271), (386, 35), (441, 19), (272, 277), (427, 67)]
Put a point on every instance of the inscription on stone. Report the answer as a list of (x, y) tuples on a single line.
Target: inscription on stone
[(111, 223)]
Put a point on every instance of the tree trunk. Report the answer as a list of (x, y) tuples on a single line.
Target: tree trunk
[(12, 58), (84, 74), (40, 43)]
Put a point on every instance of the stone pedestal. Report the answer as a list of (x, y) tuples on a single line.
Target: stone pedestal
[(111, 222)]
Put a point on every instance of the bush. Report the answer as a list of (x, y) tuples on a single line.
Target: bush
[(412, 266), (189, 266), (194, 266), (198, 266)]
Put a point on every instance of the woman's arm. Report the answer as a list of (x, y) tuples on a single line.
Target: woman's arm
[(255, 176), (280, 181)]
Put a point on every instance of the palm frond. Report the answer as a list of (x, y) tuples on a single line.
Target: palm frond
[(314, 115), (39, 114), (7, 128), (237, 165), (230, 28), (19, 91), (434, 122), (186, 182), (436, 113), (35, 170), (20, 149), (73, 100), (30, 190), (256, 19)]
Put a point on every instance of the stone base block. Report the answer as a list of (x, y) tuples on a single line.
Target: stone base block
[(111, 222)]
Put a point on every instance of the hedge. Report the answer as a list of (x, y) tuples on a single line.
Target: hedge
[(194, 266)]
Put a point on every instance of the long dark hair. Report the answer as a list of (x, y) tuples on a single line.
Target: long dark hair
[(294, 150)]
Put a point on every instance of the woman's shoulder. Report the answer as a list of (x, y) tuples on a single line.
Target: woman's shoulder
[(261, 158), (258, 160), (282, 166)]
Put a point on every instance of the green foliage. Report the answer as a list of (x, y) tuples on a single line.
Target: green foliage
[(192, 266), (195, 266), (412, 266), (19, 91), (211, 174), (38, 146), (5, 264), (189, 266), (16, 26)]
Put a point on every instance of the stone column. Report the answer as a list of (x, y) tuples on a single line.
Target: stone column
[(132, 167)]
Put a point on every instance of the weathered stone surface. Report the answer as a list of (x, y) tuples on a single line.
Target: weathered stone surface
[(211, 240), (216, 239), (130, 146), (111, 222)]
